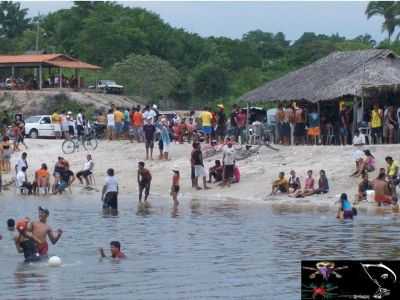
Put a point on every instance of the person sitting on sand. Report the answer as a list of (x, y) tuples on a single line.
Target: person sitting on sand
[(22, 181), (26, 242), (280, 185), (42, 180), (294, 182), (42, 231), (363, 187), (323, 184), (308, 189), (144, 181), (366, 164), (383, 192), (67, 177), (115, 249), (58, 169), (392, 168), (215, 172), (345, 210), (87, 170)]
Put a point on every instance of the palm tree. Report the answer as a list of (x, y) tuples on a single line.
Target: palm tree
[(390, 10)]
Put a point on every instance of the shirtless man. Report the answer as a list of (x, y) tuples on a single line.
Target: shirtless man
[(42, 230), (144, 181), (383, 193)]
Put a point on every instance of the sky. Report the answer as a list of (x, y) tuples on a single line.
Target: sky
[(233, 19)]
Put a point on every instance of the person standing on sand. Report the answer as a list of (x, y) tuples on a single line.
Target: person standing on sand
[(198, 166), (228, 162), (166, 140), (221, 123), (56, 121), (206, 117), (149, 130), (376, 124), (42, 231), (110, 125), (300, 127), (144, 181)]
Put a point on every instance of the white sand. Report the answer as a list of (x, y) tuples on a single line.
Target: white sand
[(257, 172)]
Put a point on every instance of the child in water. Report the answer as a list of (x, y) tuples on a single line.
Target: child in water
[(175, 186)]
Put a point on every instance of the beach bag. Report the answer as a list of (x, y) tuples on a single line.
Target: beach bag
[(354, 211)]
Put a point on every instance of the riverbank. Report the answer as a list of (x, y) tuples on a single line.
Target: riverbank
[(257, 172)]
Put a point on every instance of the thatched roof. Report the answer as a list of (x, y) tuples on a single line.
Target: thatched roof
[(337, 75)]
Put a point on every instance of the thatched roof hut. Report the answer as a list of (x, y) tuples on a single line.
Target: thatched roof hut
[(335, 76)]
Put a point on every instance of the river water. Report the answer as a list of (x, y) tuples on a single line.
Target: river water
[(205, 250)]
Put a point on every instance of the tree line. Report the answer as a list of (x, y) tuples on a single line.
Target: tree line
[(157, 61)]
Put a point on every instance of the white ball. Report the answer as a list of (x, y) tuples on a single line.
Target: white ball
[(54, 261)]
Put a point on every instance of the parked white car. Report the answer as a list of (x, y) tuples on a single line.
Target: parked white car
[(108, 86), (39, 126)]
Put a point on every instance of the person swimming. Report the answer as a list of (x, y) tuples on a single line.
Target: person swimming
[(115, 249), (25, 242), (346, 211)]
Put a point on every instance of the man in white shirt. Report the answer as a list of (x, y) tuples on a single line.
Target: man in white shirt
[(149, 113), (80, 123), (22, 162), (109, 195), (228, 162), (22, 181), (87, 170)]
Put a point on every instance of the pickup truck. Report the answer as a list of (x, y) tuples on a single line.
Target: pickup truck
[(108, 86)]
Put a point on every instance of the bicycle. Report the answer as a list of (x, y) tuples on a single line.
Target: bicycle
[(89, 143)]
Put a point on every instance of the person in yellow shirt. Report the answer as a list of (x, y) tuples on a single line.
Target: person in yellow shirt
[(376, 124), (56, 120), (281, 184), (392, 168), (206, 118), (119, 122)]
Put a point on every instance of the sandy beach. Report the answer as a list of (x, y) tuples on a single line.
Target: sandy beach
[(257, 172)]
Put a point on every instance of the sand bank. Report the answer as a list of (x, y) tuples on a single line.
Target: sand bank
[(257, 172)]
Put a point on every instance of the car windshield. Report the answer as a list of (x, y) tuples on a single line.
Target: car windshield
[(34, 119), (108, 82)]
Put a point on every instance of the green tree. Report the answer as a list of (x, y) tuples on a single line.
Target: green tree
[(13, 19), (389, 10), (210, 82), (146, 75)]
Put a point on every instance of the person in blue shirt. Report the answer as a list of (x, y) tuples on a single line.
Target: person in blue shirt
[(166, 139), (346, 210)]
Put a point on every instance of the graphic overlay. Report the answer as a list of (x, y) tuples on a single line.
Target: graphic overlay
[(332, 279)]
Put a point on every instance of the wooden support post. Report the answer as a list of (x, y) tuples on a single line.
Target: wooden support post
[(40, 76), (12, 71), (60, 78)]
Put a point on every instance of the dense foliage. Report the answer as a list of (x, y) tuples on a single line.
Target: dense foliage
[(154, 60)]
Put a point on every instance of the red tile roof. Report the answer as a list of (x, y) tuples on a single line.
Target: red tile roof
[(59, 60)]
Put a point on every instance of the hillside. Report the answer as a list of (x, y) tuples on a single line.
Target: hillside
[(37, 102)]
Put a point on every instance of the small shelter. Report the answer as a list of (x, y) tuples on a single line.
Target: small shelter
[(338, 75), (41, 61)]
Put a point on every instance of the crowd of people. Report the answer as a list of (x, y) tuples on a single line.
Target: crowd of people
[(300, 124)]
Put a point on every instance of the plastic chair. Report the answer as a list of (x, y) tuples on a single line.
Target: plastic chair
[(331, 137), (366, 131)]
